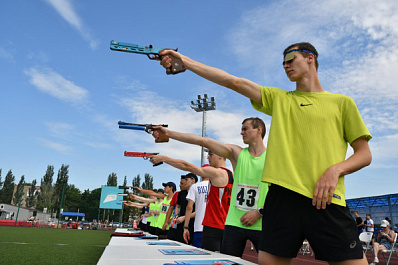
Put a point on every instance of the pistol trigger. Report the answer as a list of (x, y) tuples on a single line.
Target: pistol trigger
[(147, 129)]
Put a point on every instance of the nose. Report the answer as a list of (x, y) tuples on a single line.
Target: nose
[(286, 64)]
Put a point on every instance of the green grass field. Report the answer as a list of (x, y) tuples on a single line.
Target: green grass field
[(24, 245)]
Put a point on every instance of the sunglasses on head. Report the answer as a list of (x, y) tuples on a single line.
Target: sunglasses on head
[(289, 56)]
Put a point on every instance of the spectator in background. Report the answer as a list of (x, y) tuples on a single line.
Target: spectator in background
[(389, 221), (359, 221), (385, 239), (370, 227)]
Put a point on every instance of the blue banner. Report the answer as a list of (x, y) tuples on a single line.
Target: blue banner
[(110, 198)]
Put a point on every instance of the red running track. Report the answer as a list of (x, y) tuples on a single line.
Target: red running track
[(310, 260)]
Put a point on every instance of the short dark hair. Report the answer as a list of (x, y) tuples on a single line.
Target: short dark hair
[(257, 122), (304, 46), (368, 214)]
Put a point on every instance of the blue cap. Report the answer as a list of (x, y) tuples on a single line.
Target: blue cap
[(170, 184)]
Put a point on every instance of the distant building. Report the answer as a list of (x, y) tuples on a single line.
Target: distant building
[(9, 212), (25, 195)]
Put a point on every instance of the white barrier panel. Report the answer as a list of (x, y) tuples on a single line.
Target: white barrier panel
[(130, 250)]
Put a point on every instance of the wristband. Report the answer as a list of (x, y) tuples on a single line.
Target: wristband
[(260, 211), (186, 227)]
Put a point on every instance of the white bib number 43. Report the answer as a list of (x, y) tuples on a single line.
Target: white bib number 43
[(247, 197)]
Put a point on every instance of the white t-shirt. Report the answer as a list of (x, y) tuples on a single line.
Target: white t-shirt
[(198, 194), (369, 229)]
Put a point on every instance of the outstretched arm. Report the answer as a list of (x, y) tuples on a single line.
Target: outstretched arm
[(141, 199), (135, 204), (243, 86), (217, 176), (151, 193), (228, 151)]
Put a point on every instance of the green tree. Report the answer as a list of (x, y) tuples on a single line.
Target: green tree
[(1, 185), (132, 211), (125, 181), (48, 177), (46, 198), (32, 195), (19, 191), (62, 179), (90, 203), (137, 181), (73, 198), (112, 180), (8, 188), (148, 182)]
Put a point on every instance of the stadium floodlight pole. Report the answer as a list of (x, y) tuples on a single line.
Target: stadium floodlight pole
[(20, 200), (60, 206), (202, 105)]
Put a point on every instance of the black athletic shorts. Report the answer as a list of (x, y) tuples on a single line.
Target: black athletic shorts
[(289, 218), (212, 238), (234, 240)]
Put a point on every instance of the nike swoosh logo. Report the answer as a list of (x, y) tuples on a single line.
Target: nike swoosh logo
[(303, 105)]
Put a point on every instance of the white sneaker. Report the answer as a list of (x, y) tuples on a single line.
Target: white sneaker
[(376, 260)]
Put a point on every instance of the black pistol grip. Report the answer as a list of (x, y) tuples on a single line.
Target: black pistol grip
[(155, 165)]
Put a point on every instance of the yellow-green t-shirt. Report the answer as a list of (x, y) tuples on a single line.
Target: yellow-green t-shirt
[(156, 207), (164, 207), (150, 218), (309, 133)]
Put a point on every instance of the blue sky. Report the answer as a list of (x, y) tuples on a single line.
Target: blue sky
[(63, 90)]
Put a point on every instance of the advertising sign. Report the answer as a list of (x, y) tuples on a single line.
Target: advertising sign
[(110, 198)]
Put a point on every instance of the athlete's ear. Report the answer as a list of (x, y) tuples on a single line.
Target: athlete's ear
[(311, 58)]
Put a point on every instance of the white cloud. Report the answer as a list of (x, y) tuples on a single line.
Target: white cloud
[(6, 55), (148, 107), (54, 84), (38, 57), (60, 129), (67, 12), (384, 151), (57, 146), (68, 133), (125, 82)]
